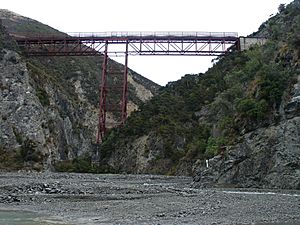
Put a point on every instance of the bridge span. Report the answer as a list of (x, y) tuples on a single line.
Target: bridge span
[(125, 44), (139, 43)]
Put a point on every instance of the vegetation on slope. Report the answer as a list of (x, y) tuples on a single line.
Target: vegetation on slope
[(199, 114)]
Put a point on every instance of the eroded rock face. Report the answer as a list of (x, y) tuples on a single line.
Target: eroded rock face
[(21, 112), (138, 156), (31, 123), (266, 158), (38, 120)]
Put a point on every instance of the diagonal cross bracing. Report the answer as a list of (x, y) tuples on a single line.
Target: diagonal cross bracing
[(140, 43)]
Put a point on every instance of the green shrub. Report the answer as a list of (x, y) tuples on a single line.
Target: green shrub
[(43, 97), (251, 108), (82, 165), (18, 136), (10, 160), (196, 149), (214, 146), (29, 152)]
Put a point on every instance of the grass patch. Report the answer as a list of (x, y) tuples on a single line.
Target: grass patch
[(10, 160), (82, 165)]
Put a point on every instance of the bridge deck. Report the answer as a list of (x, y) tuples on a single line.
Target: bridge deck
[(127, 36), (139, 43)]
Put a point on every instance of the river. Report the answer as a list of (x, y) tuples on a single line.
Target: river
[(106, 199)]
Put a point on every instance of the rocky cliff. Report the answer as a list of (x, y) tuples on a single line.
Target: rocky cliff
[(265, 158), (49, 105)]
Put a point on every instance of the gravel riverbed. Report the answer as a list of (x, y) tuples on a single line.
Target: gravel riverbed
[(84, 199)]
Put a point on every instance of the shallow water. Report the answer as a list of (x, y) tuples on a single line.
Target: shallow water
[(278, 224), (8, 217)]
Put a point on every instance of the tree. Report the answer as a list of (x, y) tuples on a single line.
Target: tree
[(281, 8)]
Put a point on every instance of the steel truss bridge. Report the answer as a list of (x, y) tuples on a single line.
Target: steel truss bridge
[(125, 44)]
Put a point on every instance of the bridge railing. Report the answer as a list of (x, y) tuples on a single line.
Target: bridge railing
[(153, 34), (125, 34)]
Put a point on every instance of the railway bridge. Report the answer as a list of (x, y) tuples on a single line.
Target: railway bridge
[(124, 44)]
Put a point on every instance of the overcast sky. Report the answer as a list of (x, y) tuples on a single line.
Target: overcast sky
[(242, 16)]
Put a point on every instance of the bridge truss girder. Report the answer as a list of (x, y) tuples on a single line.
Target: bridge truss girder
[(84, 46)]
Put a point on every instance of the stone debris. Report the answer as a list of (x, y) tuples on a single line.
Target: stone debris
[(142, 199)]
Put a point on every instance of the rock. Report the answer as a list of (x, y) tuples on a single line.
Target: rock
[(9, 199), (48, 190), (267, 158), (54, 191), (11, 56)]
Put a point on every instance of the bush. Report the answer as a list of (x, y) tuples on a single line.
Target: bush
[(214, 146), (29, 152), (252, 109), (43, 97), (82, 165), (10, 160)]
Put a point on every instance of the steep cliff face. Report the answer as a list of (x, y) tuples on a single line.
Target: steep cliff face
[(40, 121), (49, 106)]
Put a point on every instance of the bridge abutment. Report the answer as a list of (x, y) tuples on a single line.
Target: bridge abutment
[(246, 42)]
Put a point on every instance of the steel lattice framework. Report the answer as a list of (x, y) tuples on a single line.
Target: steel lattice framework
[(125, 44), (139, 43)]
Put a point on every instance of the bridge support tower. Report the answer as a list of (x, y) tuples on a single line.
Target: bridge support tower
[(108, 104)]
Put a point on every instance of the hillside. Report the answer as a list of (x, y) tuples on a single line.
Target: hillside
[(242, 115), (49, 105)]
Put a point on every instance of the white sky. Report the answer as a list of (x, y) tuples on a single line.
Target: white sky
[(242, 16)]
